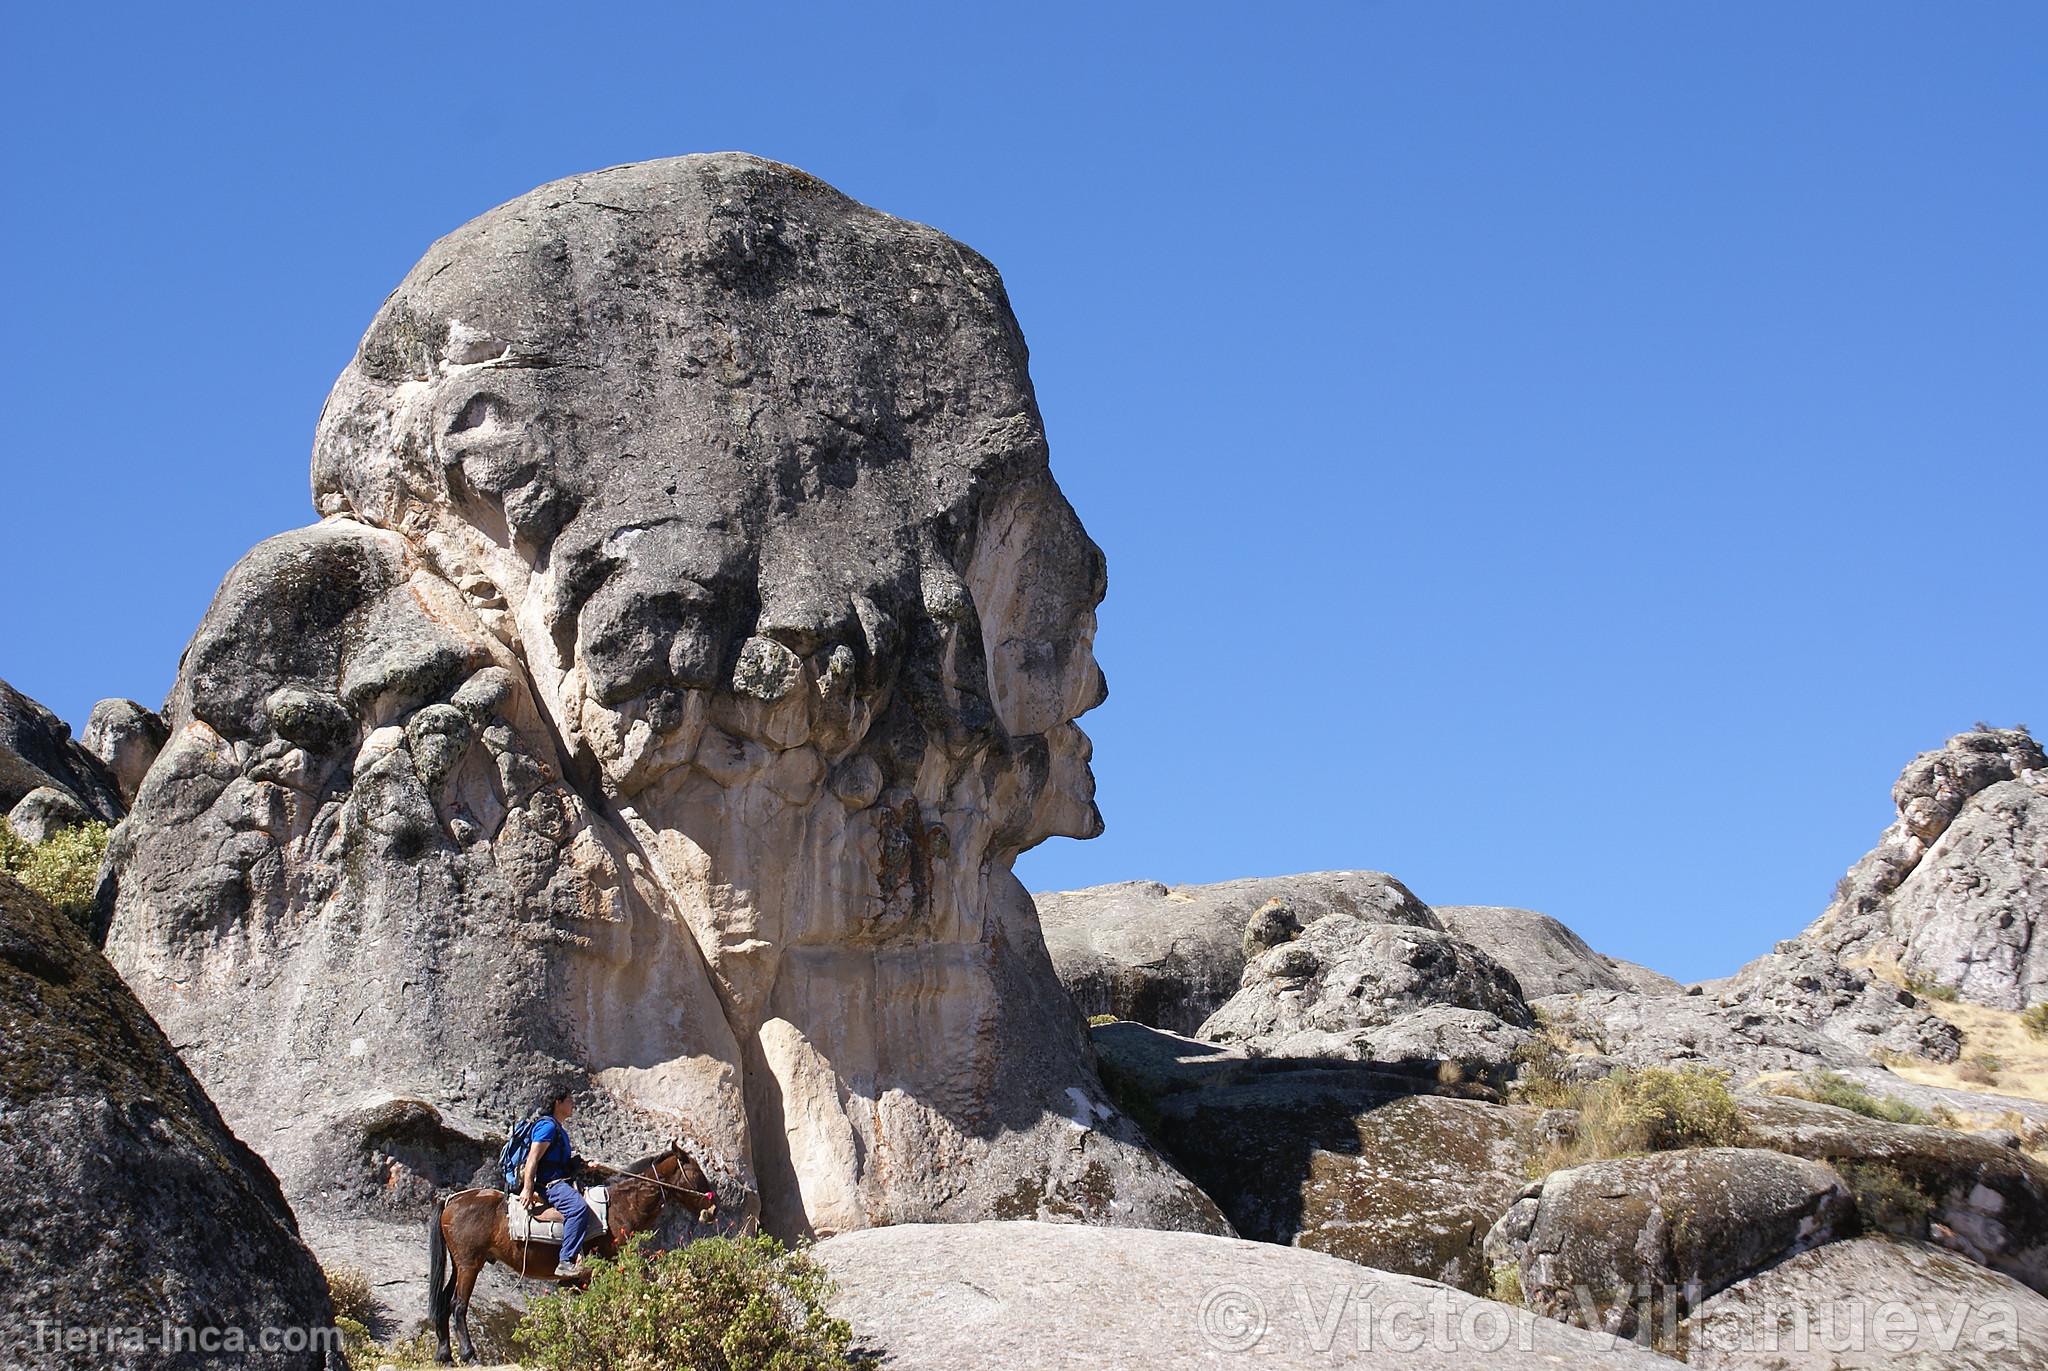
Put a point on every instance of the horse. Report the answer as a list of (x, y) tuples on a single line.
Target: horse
[(471, 1227)]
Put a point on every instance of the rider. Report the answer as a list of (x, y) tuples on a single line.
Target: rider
[(550, 1162)]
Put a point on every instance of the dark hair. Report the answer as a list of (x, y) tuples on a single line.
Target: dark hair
[(548, 1098)]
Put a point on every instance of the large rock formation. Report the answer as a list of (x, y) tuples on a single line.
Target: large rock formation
[(1170, 956), (1546, 957), (45, 775), (126, 738), (133, 1211), (691, 641), (1956, 891), (999, 1296)]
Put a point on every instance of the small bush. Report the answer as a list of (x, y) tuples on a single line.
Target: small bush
[(1506, 1285), (1098, 1020), (63, 870), (1831, 1087), (2034, 1018), (717, 1304), (1931, 990), (363, 1352), (349, 1288), (1653, 1110), (1886, 1200), (1542, 1079)]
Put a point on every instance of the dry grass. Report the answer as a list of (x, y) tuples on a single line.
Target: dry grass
[(2000, 1053)]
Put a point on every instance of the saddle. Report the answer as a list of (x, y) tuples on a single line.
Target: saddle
[(526, 1228)]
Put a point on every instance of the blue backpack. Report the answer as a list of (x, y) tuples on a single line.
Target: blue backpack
[(512, 1156)]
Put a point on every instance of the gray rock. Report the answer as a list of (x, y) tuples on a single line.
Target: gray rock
[(1986, 1201), (1628, 1245), (1000, 1296), (1356, 1161), (1309, 996), (1870, 1304), (1957, 888), (37, 750), (45, 812), (126, 738), (692, 639), (1797, 1009), (1546, 957), (131, 1205), (1170, 956)]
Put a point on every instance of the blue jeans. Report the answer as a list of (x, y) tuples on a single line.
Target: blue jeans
[(575, 1217)]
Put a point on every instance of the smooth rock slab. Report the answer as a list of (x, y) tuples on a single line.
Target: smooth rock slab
[(1023, 1296), (1870, 1303)]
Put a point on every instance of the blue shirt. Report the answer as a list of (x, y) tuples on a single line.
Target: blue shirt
[(554, 1163)]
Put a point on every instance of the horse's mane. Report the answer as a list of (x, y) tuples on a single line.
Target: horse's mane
[(646, 1163)]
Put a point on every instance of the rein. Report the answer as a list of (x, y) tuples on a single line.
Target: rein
[(706, 1195)]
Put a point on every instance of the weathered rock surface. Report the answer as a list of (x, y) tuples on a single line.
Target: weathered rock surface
[(1956, 890), (1870, 1304), (44, 812), (1968, 1193), (1001, 1296), (126, 738), (691, 641), (1355, 1161), (1170, 956), (131, 1205), (1350, 988), (37, 752), (1796, 1009), (1546, 957), (1605, 1244)]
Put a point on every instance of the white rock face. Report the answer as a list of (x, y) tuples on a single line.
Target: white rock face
[(692, 641)]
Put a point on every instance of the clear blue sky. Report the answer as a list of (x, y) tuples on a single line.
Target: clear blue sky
[(1568, 455)]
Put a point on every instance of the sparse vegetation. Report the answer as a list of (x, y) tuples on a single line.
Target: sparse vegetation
[(1098, 1020), (349, 1288), (1652, 1110), (1886, 1200), (1931, 990), (63, 869), (2034, 1018), (1544, 1079), (717, 1304), (364, 1353), (1831, 1087), (1506, 1285)]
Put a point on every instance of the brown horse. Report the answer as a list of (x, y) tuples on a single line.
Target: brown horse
[(471, 1226)]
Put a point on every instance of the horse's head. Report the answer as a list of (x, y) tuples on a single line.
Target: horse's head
[(685, 1182)]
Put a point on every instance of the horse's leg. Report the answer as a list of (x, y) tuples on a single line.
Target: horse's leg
[(465, 1281)]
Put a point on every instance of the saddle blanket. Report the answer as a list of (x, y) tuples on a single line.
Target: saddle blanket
[(526, 1228)]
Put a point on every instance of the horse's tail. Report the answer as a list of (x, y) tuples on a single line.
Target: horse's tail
[(440, 1280)]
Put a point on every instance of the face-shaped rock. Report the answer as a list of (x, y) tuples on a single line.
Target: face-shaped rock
[(737, 493)]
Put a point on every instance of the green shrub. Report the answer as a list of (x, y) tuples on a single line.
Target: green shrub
[(1652, 1110), (1830, 1087), (1506, 1285), (63, 869), (363, 1352), (1886, 1200), (717, 1304), (2034, 1018), (1541, 1079)]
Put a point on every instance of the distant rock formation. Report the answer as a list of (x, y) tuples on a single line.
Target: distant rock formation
[(1170, 956), (48, 781), (692, 639), (1956, 891), (1546, 957), (132, 1210)]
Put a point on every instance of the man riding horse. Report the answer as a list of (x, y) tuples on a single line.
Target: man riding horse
[(551, 1161)]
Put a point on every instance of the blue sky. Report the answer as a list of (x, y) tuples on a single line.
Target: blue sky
[(1568, 455)]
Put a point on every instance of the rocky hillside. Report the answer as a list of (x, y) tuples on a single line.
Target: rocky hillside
[(691, 638), (132, 1208), (1955, 893)]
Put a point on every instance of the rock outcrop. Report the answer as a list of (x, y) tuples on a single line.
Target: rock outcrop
[(1346, 987), (133, 1211), (1869, 1302), (1956, 890), (692, 638), (1365, 1163), (1170, 956), (1959, 1190), (999, 1296), (1628, 1244), (126, 738), (42, 766), (1546, 957)]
